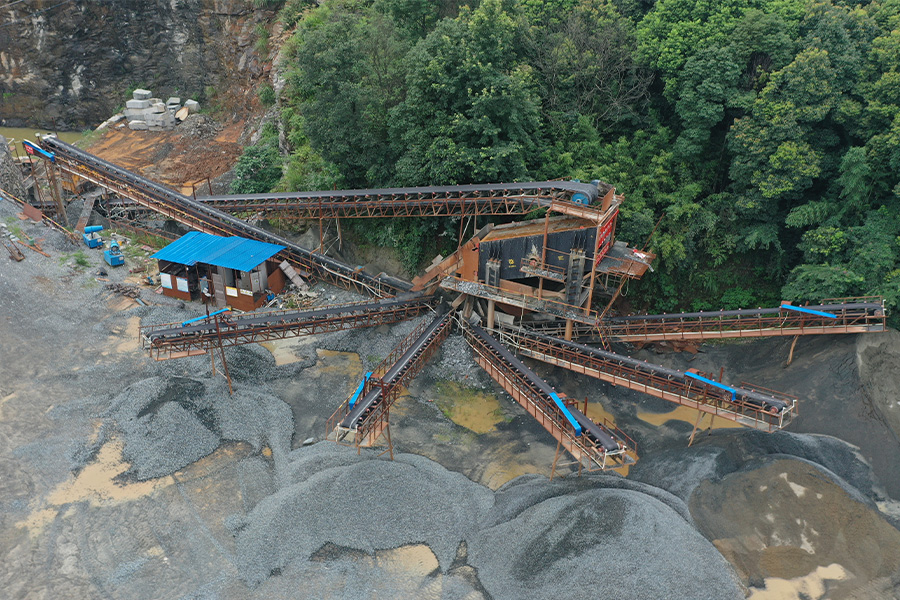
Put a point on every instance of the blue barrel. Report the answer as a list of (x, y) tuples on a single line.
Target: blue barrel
[(93, 229)]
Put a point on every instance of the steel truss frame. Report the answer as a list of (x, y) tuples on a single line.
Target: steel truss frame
[(691, 393), (849, 319), (509, 201), (589, 455), (377, 423), (233, 333)]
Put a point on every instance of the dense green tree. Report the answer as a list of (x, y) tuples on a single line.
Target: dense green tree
[(765, 133), (345, 77), (259, 168), (469, 114)]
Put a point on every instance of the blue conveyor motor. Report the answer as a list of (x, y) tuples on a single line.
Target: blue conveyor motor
[(91, 236), (113, 256)]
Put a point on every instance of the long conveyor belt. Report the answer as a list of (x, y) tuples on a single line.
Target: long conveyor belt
[(433, 201), (834, 317), (591, 444), (399, 370), (173, 340), (747, 405), (211, 220)]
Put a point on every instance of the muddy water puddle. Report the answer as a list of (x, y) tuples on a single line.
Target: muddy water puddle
[(285, 351), (688, 415), (467, 407), (97, 484), (814, 586)]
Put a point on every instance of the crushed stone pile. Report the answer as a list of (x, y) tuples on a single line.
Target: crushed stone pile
[(169, 423), (531, 539)]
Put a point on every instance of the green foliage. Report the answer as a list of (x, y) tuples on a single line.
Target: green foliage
[(266, 94), (765, 133), (262, 40), (259, 168), (817, 282)]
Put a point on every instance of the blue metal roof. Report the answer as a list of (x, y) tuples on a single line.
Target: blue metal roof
[(236, 253)]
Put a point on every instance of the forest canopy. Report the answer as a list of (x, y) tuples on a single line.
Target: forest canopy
[(765, 133)]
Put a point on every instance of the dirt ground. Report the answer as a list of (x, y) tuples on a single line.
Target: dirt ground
[(174, 158)]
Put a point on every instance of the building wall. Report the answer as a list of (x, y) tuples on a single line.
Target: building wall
[(276, 279)]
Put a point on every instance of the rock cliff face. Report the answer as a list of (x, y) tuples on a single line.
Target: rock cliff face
[(71, 66)]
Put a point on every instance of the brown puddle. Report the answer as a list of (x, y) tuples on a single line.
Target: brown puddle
[(811, 587), (282, 350), (475, 410), (688, 415), (95, 484), (340, 363)]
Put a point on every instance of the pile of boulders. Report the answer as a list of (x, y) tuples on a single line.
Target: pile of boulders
[(143, 112)]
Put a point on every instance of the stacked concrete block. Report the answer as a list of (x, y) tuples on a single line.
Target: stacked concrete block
[(144, 112)]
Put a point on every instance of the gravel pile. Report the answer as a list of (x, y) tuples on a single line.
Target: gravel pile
[(366, 505), (615, 543), (457, 363), (531, 539), (168, 423), (680, 470), (200, 127)]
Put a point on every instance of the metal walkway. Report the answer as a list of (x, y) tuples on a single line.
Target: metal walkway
[(432, 201), (365, 414), (175, 340), (594, 446), (748, 405), (833, 316), (210, 220)]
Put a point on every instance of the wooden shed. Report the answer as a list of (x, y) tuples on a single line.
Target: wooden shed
[(223, 271)]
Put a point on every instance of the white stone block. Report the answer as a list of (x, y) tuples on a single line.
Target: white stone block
[(142, 94), (137, 104), (138, 125), (192, 106), (159, 107), (173, 101)]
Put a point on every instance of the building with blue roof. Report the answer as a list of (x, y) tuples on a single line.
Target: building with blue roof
[(223, 271)]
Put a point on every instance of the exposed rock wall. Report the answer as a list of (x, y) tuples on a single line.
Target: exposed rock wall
[(71, 66)]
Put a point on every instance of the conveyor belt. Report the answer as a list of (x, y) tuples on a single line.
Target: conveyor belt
[(748, 405), (586, 440), (211, 220), (396, 372), (434, 201), (847, 317), (172, 340)]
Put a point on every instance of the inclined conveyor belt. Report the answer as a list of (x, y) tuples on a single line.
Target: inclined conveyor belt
[(520, 197), (233, 325), (874, 308), (363, 406), (219, 218), (586, 426), (738, 395)]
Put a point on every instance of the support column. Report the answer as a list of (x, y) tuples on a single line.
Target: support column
[(55, 192), (490, 314), (568, 335), (468, 305)]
